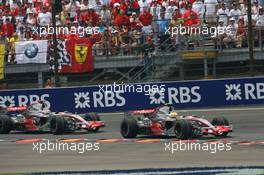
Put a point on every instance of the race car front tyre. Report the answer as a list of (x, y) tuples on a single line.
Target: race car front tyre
[(220, 121), (183, 129), (6, 124), (129, 128), (92, 117), (57, 125)]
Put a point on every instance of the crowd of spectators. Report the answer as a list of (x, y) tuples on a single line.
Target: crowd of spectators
[(125, 24)]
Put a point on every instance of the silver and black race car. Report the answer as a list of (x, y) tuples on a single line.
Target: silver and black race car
[(35, 117), (164, 120)]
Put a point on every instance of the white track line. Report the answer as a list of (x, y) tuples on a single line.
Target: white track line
[(223, 109), (202, 110)]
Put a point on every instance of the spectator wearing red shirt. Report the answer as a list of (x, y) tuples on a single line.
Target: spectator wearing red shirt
[(191, 18), (8, 28), (93, 16), (7, 11), (38, 5), (124, 6), (134, 21), (122, 20), (83, 17), (146, 17), (135, 6), (241, 32), (89, 16), (112, 3), (1, 28), (116, 10), (146, 20)]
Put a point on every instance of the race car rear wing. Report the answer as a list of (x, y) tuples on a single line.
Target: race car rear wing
[(16, 109), (143, 111)]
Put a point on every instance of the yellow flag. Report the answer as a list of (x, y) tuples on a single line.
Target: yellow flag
[(2, 58)]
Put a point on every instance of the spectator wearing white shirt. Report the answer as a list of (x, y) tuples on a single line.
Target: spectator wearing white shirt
[(144, 4), (220, 33), (21, 34), (31, 20), (44, 18), (223, 13), (165, 3), (13, 5), (155, 9), (92, 2), (231, 33), (170, 9), (255, 10), (105, 15), (260, 19), (199, 8), (20, 20), (98, 6), (31, 9), (105, 2), (72, 8), (210, 13), (235, 12), (84, 5)]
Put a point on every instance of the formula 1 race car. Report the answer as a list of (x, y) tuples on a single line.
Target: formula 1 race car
[(35, 117), (164, 120)]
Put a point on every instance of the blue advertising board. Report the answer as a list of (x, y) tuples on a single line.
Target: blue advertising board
[(124, 97)]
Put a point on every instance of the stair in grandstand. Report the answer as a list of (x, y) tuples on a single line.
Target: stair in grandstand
[(165, 63)]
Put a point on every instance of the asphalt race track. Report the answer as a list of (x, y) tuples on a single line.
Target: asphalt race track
[(247, 147)]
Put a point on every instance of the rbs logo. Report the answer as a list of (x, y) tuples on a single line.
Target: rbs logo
[(22, 100), (184, 95), (254, 91), (108, 99)]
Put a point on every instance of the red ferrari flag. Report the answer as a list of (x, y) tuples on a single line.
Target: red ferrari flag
[(80, 52)]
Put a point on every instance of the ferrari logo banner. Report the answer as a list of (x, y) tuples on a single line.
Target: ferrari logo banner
[(80, 52), (2, 60)]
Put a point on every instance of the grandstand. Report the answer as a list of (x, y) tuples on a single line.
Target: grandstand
[(134, 41)]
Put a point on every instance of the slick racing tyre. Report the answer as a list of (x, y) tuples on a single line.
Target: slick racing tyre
[(183, 129), (92, 117), (220, 121), (129, 128), (57, 125), (6, 124)]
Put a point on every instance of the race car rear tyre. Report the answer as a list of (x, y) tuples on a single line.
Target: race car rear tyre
[(129, 128), (57, 125), (220, 121), (183, 129), (6, 124), (92, 117)]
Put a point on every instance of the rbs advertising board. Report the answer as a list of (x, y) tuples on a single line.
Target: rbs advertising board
[(124, 97)]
